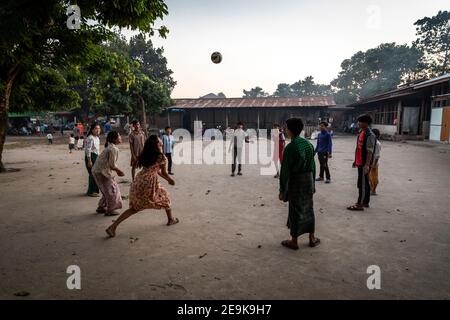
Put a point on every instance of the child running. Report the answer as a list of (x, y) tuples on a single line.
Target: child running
[(145, 191), (103, 174)]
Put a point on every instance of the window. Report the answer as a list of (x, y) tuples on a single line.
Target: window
[(386, 114)]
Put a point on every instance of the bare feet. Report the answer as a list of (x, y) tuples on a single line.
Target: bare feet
[(111, 232), (173, 221)]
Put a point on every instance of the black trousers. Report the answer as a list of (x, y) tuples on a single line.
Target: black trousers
[(323, 160), (363, 186), (237, 155), (169, 160)]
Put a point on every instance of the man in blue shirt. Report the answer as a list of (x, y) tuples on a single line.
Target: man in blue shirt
[(324, 151), (107, 127), (168, 142)]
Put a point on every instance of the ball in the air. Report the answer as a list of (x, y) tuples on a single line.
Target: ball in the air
[(216, 57)]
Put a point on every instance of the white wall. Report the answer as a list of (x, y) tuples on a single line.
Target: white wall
[(386, 129), (436, 124)]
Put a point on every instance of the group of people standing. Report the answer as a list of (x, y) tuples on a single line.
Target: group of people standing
[(298, 170)]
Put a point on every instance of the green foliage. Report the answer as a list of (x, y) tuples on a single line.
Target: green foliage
[(308, 87), (377, 70), (124, 75), (433, 38), (256, 92), (46, 89)]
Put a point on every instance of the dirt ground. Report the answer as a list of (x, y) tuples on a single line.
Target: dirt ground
[(227, 244)]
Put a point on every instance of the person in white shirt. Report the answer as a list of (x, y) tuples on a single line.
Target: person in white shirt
[(239, 136), (71, 142), (50, 138), (80, 142), (168, 142), (92, 150), (103, 174)]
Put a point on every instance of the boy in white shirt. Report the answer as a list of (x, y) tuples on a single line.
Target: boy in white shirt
[(80, 143), (50, 138), (71, 142)]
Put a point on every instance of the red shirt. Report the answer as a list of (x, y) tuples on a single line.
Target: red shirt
[(359, 146)]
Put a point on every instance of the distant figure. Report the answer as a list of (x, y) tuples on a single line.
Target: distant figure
[(92, 150), (103, 174), (279, 140), (297, 185), (76, 132), (107, 127), (168, 142), (237, 143), (137, 141), (146, 191), (365, 147), (373, 175), (50, 138), (80, 142), (80, 128), (71, 143), (324, 151), (127, 128)]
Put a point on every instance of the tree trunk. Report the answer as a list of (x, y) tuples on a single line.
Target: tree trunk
[(5, 94), (144, 114)]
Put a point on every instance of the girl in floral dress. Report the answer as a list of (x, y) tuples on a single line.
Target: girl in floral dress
[(145, 191)]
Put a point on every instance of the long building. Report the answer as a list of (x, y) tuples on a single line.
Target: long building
[(418, 110), (257, 113)]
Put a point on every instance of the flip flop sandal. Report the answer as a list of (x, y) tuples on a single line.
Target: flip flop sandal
[(288, 244), (175, 221), (110, 233), (355, 208), (315, 243), (100, 210)]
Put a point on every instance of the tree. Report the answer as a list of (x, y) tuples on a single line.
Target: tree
[(256, 92), (283, 90), (38, 35), (307, 87), (152, 60), (433, 38), (377, 70)]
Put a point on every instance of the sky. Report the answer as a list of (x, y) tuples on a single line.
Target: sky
[(267, 42)]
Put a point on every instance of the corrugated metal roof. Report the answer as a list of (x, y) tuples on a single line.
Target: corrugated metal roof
[(272, 102), (443, 78), (404, 90)]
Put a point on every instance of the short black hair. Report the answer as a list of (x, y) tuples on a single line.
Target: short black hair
[(135, 122), (324, 123), (168, 127), (295, 125), (365, 118), (240, 123), (376, 132), (111, 137), (276, 125), (72, 135)]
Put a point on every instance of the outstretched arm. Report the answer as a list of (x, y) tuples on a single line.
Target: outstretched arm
[(163, 174)]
